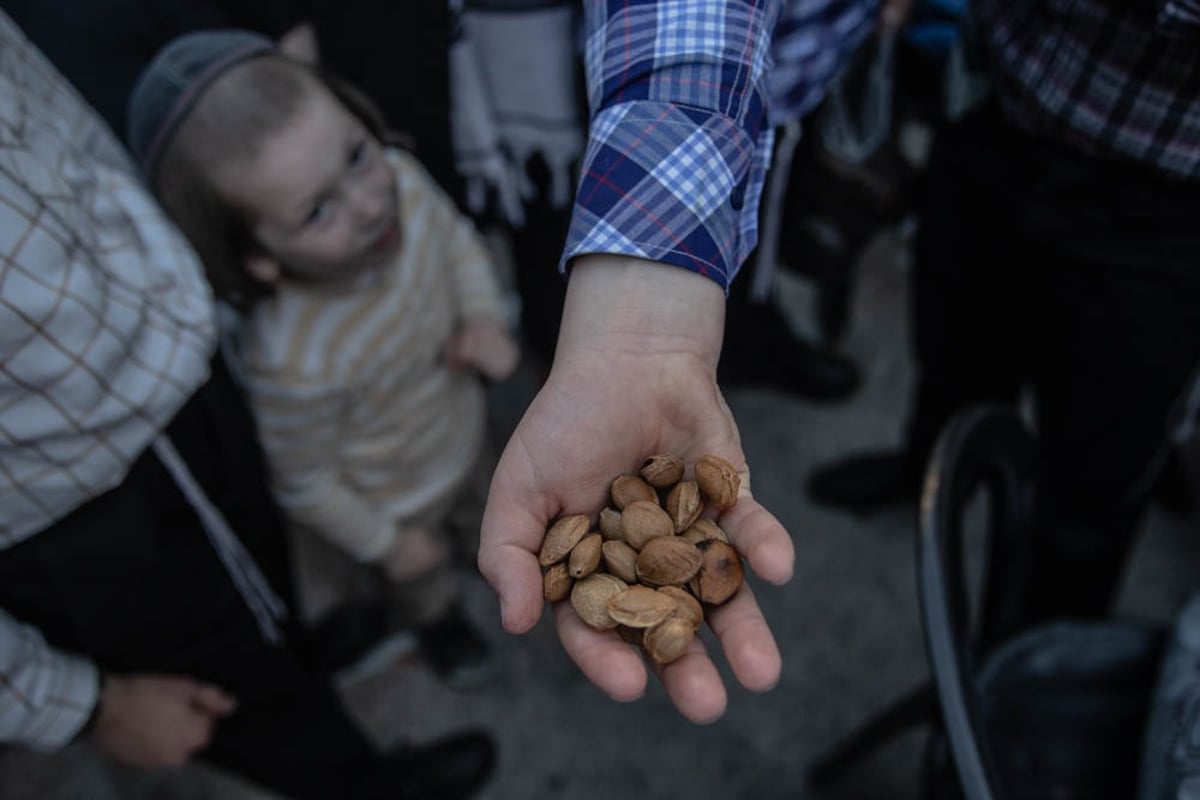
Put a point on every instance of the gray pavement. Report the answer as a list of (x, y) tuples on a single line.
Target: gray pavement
[(847, 626)]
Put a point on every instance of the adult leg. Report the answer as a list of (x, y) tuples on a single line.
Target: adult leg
[(969, 334), (1119, 303)]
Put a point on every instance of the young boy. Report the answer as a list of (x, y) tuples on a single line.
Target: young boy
[(371, 309)]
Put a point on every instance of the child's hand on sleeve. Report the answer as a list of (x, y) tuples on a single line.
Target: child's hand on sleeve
[(416, 552), (484, 345)]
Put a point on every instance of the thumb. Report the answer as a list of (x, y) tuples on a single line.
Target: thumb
[(211, 700)]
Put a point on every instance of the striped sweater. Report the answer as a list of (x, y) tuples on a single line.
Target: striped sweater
[(363, 424)]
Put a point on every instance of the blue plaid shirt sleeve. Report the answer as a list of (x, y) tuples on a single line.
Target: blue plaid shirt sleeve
[(679, 142)]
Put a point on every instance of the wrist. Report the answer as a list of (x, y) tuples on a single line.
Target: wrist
[(618, 303), (89, 725)]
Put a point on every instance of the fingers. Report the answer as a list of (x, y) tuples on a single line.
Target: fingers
[(747, 641), (209, 703), (694, 685), (211, 700), (761, 538), (509, 538), (608, 662), (515, 577)]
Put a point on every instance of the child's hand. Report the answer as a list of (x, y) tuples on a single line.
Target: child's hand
[(154, 721), (414, 554), (485, 345)]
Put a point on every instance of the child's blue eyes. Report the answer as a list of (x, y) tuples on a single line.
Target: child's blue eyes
[(357, 159), (317, 214)]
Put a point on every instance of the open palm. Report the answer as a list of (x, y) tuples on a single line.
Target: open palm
[(634, 375)]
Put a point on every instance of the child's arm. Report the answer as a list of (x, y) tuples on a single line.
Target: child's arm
[(300, 426), (483, 344), (483, 340)]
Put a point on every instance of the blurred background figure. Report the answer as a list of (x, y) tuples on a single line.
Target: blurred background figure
[(145, 581), (1055, 251)]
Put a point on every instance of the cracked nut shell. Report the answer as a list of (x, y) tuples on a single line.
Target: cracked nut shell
[(662, 471), (640, 607), (563, 535), (643, 521), (684, 504), (668, 640), (719, 481), (621, 560), (589, 598), (721, 573), (686, 606), (585, 556), (556, 583), (627, 489), (668, 561)]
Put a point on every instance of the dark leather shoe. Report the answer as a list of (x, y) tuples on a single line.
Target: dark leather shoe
[(345, 634), (453, 768), (458, 653), (867, 482)]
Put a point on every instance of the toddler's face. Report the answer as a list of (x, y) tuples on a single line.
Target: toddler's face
[(320, 194)]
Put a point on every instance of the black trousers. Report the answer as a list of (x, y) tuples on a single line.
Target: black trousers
[(130, 581), (1080, 277)]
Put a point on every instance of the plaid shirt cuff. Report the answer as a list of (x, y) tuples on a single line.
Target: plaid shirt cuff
[(673, 184), (679, 139), (49, 698)]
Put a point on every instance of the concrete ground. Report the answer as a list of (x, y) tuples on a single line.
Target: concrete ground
[(847, 625)]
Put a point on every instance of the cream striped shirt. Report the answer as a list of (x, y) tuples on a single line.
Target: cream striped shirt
[(364, 426)]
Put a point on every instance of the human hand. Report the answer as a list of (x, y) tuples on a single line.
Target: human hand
[(414, 553), (486, 345), (634, 375), (152, 721), (894, 13)]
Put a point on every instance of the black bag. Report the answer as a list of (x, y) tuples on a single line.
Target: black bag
[(1064, 707)]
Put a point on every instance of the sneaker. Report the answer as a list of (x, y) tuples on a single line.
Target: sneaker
[(453, 768), (867, 482), (457, 652)]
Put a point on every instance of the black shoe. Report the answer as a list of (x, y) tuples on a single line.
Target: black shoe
[(457, 652), (345, 634), (453, 768), (867, 482)]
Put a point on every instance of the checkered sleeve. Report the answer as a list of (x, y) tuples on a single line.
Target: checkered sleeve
[(45, 696), (679, 142), (1184, 11)]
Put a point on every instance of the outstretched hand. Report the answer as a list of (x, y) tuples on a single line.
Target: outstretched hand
[(634, 375)]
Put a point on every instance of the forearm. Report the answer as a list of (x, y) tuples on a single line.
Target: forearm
[(476, 278), (338, 513)]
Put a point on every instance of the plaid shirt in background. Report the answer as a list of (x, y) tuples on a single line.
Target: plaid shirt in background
[(1116, 79), (106, 327), (813, 42)]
